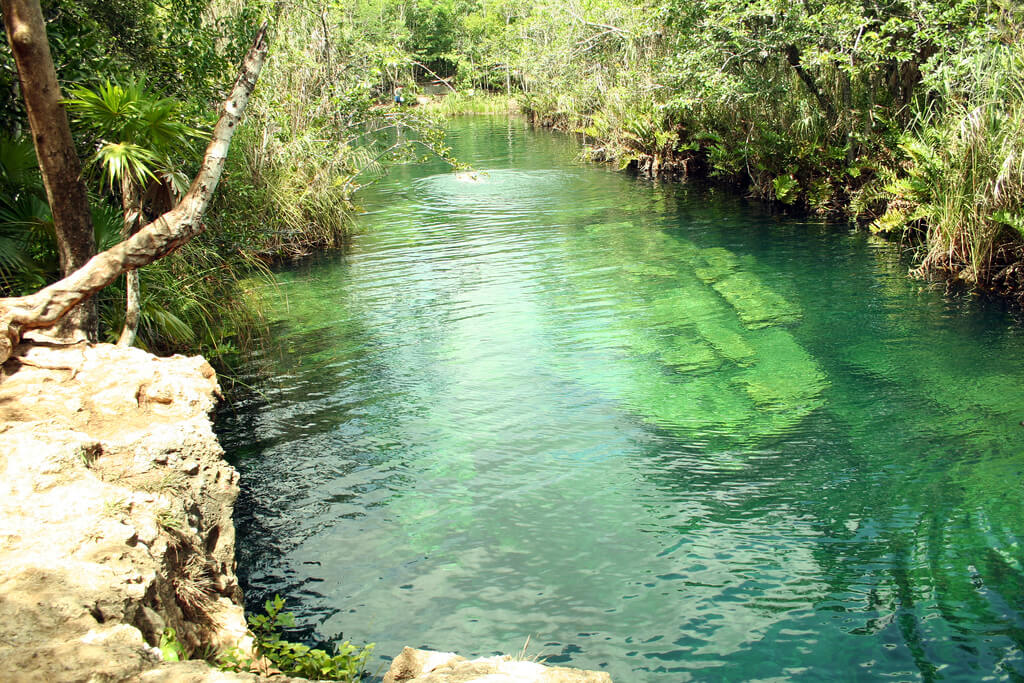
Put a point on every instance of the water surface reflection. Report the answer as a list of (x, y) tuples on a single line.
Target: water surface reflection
[(651, 427)]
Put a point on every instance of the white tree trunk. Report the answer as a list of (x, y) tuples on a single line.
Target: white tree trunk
[(131, 202)]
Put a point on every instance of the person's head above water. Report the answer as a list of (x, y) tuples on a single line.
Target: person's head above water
[(468, 177)]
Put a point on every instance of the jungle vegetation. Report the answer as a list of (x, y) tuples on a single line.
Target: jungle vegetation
[(141, 83), (905, 114)]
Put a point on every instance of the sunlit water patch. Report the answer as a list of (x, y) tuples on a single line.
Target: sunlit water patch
[(650, 427)]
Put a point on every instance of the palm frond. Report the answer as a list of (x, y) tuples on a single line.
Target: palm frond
[(107, 222), (19, 168), (109, 111), (165, 323), (119, 160), (161, 126)]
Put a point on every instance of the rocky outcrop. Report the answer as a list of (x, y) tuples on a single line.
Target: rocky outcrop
[(115, 513), (425, 666)]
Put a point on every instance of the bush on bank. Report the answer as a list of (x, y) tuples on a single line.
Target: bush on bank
[(906, 116)]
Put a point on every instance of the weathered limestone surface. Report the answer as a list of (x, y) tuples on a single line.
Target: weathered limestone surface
[(425, 666), (115, 513)]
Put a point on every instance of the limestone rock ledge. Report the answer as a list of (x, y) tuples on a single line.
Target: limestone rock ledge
[(425, 666), (115, 514)]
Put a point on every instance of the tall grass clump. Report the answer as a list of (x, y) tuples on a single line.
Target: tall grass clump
[(471, 101), (961, 186), (286, 181), (195, 300)]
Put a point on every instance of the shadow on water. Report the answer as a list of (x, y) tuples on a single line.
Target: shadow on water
[(653, 428)]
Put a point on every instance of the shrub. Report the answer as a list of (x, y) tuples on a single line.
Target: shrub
[(346, 664)]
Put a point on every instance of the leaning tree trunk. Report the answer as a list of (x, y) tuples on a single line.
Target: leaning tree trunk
[(58, 162), (131, 203), (156, 240), (795, 57)]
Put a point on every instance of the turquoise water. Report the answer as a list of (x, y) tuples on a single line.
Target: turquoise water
[(650, 427)]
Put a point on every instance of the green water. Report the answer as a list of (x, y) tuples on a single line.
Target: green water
[(652, 428)]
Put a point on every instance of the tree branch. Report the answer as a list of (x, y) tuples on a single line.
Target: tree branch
[(793, 57), (161, 237), (424, 67)]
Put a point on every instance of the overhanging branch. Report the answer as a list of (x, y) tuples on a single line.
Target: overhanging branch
[(161, 237), (793, 56)]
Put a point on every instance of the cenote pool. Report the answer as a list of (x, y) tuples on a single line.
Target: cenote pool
[(651, 427)]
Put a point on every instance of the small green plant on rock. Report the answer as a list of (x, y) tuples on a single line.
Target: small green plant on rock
[(167, 519), (170, 649), (115, 508), (346, 664)]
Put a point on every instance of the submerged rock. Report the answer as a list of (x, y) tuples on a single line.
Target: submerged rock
[(426, 666)]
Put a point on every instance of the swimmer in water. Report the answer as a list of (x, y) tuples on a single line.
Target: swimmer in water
[(468, 177)]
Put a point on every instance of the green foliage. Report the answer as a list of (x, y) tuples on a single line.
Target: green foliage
[(471, 101), (26, 242), (315, 129), (28, 249), (142, 144), (170, 649), (1011, 219), (189, 49), (137, 134), (787, 188), (961, 176), (905, 114), (345, 664)]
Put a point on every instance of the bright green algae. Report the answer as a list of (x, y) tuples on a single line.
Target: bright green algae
[(651, 427)]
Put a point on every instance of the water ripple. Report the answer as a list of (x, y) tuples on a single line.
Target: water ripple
[(654, 429)]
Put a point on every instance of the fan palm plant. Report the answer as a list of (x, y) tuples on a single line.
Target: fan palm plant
[(24, 215), (140, 140), (28, 247)]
